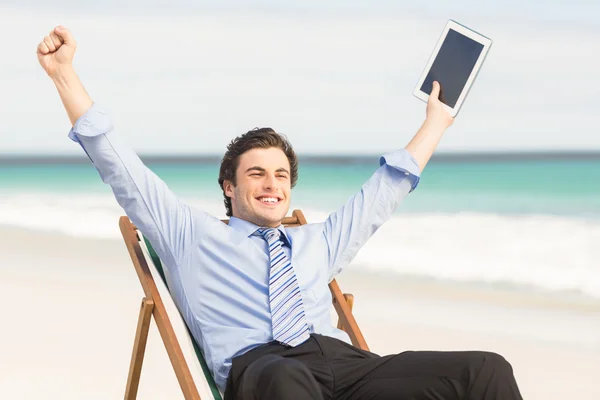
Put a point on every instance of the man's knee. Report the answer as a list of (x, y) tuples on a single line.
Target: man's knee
[(492, 375), (498, 362), (493, 362)]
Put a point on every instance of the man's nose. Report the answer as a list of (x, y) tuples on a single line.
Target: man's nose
[(269, 182)]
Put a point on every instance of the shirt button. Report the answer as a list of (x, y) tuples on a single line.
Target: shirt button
[(406, 173)]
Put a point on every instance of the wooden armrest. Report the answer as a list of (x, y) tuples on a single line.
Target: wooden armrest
[(343, 304), (349, 299)]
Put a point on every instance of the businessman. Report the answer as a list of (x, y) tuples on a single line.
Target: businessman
[(254, 294)]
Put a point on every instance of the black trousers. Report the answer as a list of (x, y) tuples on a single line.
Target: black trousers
[(326, 368)]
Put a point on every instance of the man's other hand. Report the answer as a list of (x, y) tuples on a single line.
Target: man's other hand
[(56, 51), (436, 112)]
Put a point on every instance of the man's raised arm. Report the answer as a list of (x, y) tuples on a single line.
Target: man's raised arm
[(427, 138), (146, 199), (55, 54), (348, 229)]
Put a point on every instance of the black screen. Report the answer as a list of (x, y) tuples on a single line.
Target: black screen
[(452, 66)]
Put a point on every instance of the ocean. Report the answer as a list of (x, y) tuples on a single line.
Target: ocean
[(519, 222)]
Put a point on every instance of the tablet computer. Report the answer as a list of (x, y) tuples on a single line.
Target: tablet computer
[(455, 62)]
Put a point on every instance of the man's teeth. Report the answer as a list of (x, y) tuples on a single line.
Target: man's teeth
[(269, 200)]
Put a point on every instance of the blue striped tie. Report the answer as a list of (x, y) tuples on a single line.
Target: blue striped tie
[(287, 309)]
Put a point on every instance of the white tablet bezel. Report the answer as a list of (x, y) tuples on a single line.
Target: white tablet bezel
[(486, 42)]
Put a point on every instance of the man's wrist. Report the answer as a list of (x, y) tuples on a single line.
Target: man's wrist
[(436, 124), (63, 76)]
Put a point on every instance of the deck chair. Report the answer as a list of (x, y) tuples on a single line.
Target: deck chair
[(190, 368)]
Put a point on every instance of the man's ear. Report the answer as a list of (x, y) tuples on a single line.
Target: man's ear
[(228, 188)]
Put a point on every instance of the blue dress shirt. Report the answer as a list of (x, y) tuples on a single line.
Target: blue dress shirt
[(218, 273)]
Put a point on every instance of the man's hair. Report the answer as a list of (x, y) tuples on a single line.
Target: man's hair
[(263, 138)]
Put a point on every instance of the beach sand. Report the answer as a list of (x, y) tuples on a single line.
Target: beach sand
[(70, 310)]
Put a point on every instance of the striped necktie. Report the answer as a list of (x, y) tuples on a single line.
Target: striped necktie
[(287, 309)]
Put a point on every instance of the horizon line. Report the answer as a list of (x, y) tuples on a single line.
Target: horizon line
[(209, 158)]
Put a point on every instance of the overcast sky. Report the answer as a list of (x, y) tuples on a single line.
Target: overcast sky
[(336, 78)]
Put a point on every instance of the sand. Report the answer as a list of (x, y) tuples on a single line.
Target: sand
[(70, 310)]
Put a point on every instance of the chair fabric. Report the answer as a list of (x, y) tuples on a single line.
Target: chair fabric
[(155, 261)]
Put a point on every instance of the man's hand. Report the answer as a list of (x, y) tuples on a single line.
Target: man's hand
[(427, 138), (436, 112), (55, 52)]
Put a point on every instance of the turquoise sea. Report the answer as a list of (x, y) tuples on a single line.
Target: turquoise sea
[(505, 185), (526, 221)]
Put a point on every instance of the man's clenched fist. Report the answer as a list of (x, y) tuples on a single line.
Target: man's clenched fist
[(56, 51)]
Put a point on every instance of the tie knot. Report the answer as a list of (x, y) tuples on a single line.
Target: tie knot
[(270, 234)]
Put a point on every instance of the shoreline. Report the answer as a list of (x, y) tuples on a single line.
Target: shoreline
[(496, 294)]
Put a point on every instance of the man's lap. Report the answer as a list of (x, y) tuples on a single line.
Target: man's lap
[(344, 371)]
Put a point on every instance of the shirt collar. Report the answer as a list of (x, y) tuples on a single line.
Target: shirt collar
[(248, 228)]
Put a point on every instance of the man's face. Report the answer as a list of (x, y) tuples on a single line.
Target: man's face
[(262, 193)]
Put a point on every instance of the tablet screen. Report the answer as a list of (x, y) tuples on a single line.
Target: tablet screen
[(452, 66)]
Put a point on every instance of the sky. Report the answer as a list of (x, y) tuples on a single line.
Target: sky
[(186, 77)]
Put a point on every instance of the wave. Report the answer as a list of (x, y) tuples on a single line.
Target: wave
[(550, 253)]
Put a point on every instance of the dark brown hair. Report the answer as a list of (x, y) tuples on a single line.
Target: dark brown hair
[(256, 138)]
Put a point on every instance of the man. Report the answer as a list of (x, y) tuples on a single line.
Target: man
[(254, 294)]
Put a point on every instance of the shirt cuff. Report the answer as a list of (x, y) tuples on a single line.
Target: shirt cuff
[(403, 161), (93, 123)]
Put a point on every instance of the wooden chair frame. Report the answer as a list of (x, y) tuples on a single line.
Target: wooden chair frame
[(152, 306)]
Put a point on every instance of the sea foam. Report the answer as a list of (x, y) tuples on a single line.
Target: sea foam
[(549, 253)]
